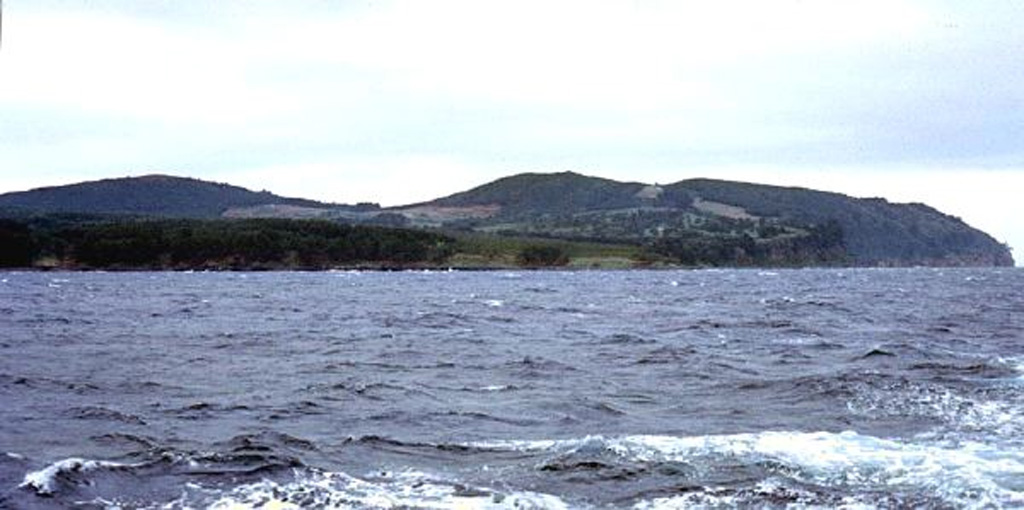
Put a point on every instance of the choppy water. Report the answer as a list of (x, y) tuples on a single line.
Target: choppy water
[(811, 388)]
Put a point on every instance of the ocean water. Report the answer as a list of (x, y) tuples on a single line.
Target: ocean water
[(832, 388)]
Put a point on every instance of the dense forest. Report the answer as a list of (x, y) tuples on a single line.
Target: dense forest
[(821, 245), (77, 243), (112, 243)]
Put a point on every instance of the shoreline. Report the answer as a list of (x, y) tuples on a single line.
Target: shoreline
[(471, 269)]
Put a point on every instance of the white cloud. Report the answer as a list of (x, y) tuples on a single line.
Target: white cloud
[(615, 54), (127, 67), (390, 181), (400, 101)]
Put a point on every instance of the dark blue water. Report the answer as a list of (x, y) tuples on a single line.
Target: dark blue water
[(784, 389)]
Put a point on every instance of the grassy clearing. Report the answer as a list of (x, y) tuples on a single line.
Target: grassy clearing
[(488, 250)]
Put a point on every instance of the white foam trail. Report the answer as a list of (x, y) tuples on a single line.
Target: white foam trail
[(717, 498), (44, 481), (959, 412), (402, 490), (969, 474)]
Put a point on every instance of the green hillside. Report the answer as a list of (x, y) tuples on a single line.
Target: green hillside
[(537, 194), (558, 219), (712, 222), (874, 230), (151, 195)]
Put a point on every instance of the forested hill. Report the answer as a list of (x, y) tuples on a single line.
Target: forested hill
[(696, 222), (534, 194), (151, 195), (701, 220), (875, 231)]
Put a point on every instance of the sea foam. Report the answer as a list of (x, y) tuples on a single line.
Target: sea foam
[(969, 475), (44, 481), (408, 489)]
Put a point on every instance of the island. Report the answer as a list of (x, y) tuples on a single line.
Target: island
[(534, 220)]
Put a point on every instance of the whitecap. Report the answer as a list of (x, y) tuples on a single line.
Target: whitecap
[(966, 474), (497, 387), (494, 303), (408, 489), (959, 412), (44, 481), (717, 497), (539, 445), (1018, 366)]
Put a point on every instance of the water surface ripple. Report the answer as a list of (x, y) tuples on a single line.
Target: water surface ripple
[(661, 389)]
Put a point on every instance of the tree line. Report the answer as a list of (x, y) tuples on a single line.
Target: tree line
[(89, 242), (213, 244)]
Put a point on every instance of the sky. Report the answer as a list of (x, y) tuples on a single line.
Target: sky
[(403, 101)]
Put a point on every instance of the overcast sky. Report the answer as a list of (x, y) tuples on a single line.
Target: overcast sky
[(397, 102)]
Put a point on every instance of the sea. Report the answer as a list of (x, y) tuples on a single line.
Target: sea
[(812, 388)]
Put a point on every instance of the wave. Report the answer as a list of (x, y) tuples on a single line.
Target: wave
[(407, 489), (318, 489), (959, 413), (48, 384), (776, 493), (969, 474), (244, 457), (773, 468), (130, 441), (307, 488), (46, 481), (626, 339), (104, 414), (491, 388)]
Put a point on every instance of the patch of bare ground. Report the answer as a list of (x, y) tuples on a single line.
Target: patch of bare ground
[(436, 215), (275, 211), (725, 210)]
